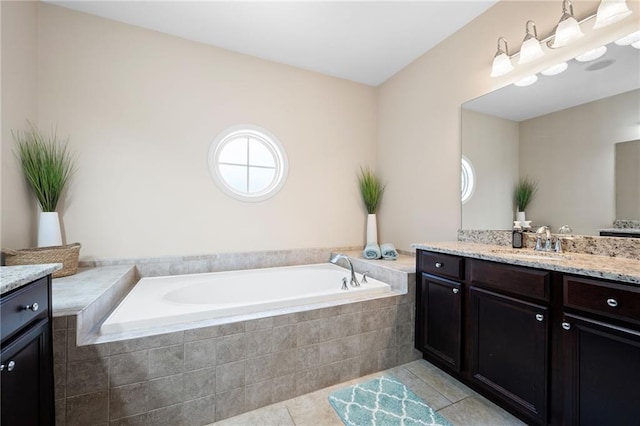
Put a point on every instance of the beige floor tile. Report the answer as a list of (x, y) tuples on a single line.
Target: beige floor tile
[(477, 411), (313, 409), (432, 397), (452, 389), (271, 415)]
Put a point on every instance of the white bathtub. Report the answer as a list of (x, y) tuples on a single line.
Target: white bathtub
[(161, 301)]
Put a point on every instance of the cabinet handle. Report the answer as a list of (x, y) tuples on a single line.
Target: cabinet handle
[(439, 265), (539, 317), (9, 366), (34, 307), (455, 291), (566, 325), (612, 302)]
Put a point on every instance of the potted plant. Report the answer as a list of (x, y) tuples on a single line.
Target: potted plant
[(371, 189), (47, 165), (522, 196)]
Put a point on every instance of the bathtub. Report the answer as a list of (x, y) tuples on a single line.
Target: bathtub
[(176, 299)]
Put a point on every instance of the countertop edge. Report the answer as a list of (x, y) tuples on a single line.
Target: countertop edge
[(14, 277)]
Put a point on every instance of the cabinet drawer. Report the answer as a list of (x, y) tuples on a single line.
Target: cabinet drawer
[(612, 300), (14, 313), (516, 280), (441, 264)]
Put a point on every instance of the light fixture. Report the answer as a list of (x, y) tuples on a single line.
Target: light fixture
[(555, 69), (592, 54), (629, 39), (636, 44), (568, 29), (527, 81), (610, 12), (501, 62), (530, 49)]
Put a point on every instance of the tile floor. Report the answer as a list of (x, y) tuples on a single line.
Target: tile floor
[(455, 401)]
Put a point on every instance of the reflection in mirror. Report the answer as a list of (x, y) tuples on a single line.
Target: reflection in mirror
[(562, 132), (628, 180)]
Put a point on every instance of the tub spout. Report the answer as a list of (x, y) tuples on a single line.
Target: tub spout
[(354, 280)]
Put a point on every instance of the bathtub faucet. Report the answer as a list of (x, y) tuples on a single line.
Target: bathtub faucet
[(354, 280)]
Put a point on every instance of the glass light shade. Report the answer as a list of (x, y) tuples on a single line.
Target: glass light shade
[(636, 44), (568, 30), (527, 81), (501, 65), (555, 69), (610, 12), (592, 54), (629, 39), (530, 51)]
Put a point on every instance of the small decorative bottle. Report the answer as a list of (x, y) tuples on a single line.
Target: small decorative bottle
[(517, 235)]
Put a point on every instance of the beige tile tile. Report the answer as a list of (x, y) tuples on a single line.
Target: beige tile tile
[(259, 342), (60, 380), (79, 353), (259, 324), (407, 353), (149, 342), (129, 400), (478, 411), (404, 334), (284, 387), (259, 369), (232, 328), (87, 376), (59, 323), (377, 339), (229, 376), (231, 348), (166, 361), (202, 333), (229, 404), (166, 391), (128, 368), (87, 409), (60, 407), (452, 389), (258, 395), (199, 383), (284, 337), (312, 410), (379, 318), (432, 397), (349, 324), (273, 415), (199, 411), (166, 416), (139, 420), (285, 362), (309, 357), (307, 381), (200, 354), (387, 358), (59, 346)]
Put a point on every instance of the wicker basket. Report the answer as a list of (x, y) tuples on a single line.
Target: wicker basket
[(67, 255)]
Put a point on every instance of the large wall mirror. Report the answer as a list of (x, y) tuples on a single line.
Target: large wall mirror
[(564, 132)]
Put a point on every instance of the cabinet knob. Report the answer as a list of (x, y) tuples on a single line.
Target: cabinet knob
[(566, 325), (439, 265), (612, 302), (455, 291), (33, 307), (9, 366), (539, 317)]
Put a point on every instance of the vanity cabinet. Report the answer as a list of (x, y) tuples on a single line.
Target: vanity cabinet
[(26, 360), (601, 352), (551, 348)]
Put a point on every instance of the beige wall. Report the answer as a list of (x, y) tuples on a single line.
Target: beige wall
[(19, 104), (489, 141), (572, 155), (627, 166), (419, 114), (141, 109)]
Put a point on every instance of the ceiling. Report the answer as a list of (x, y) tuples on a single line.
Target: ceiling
[(618, 71), (362, 41)]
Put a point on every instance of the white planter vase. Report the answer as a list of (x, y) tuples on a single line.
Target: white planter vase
[(49, 230), (372, 229), (520, 217)]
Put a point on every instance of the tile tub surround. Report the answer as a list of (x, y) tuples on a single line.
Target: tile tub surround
[(611, 268), (13, 277), (202, 375), (601, 246)]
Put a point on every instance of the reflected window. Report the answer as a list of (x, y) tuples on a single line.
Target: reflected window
[(468, 180), (248, 163)]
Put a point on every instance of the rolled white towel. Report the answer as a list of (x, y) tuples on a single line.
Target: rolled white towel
[(388, 251), (372, 251)]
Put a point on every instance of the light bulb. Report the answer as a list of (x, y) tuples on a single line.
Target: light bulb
[(527, 81), (592, 54), (555, 69)]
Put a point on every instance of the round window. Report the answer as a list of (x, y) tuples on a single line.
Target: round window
[(468, 180), (248, 163)]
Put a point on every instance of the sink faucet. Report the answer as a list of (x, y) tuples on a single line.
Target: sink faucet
[(543, 230), (354, 280)]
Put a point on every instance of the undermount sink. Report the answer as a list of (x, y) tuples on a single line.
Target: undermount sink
[(530, 254)]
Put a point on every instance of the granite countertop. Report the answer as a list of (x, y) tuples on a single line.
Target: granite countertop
[(611, 268), (13, 277), (621, 230)]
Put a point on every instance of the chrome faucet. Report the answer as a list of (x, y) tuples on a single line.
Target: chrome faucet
[(548, 244), (354, 280)]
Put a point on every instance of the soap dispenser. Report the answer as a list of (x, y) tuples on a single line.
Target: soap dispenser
[(517, 235)]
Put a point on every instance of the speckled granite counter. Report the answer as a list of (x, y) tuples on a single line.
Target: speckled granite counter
[(12, 277), (611, 268)]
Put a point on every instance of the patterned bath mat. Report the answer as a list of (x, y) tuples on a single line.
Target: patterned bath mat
[(383, 401)]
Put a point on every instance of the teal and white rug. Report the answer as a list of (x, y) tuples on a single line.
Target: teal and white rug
[(383, 401)]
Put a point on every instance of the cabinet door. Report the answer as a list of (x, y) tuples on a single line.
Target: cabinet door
[(439, 319), (26, 379), (509, 355), (602, 372)]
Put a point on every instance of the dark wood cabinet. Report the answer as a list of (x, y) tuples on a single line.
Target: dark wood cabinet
[(439, 331), (601, 373), (26, 359), (509, 351)]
